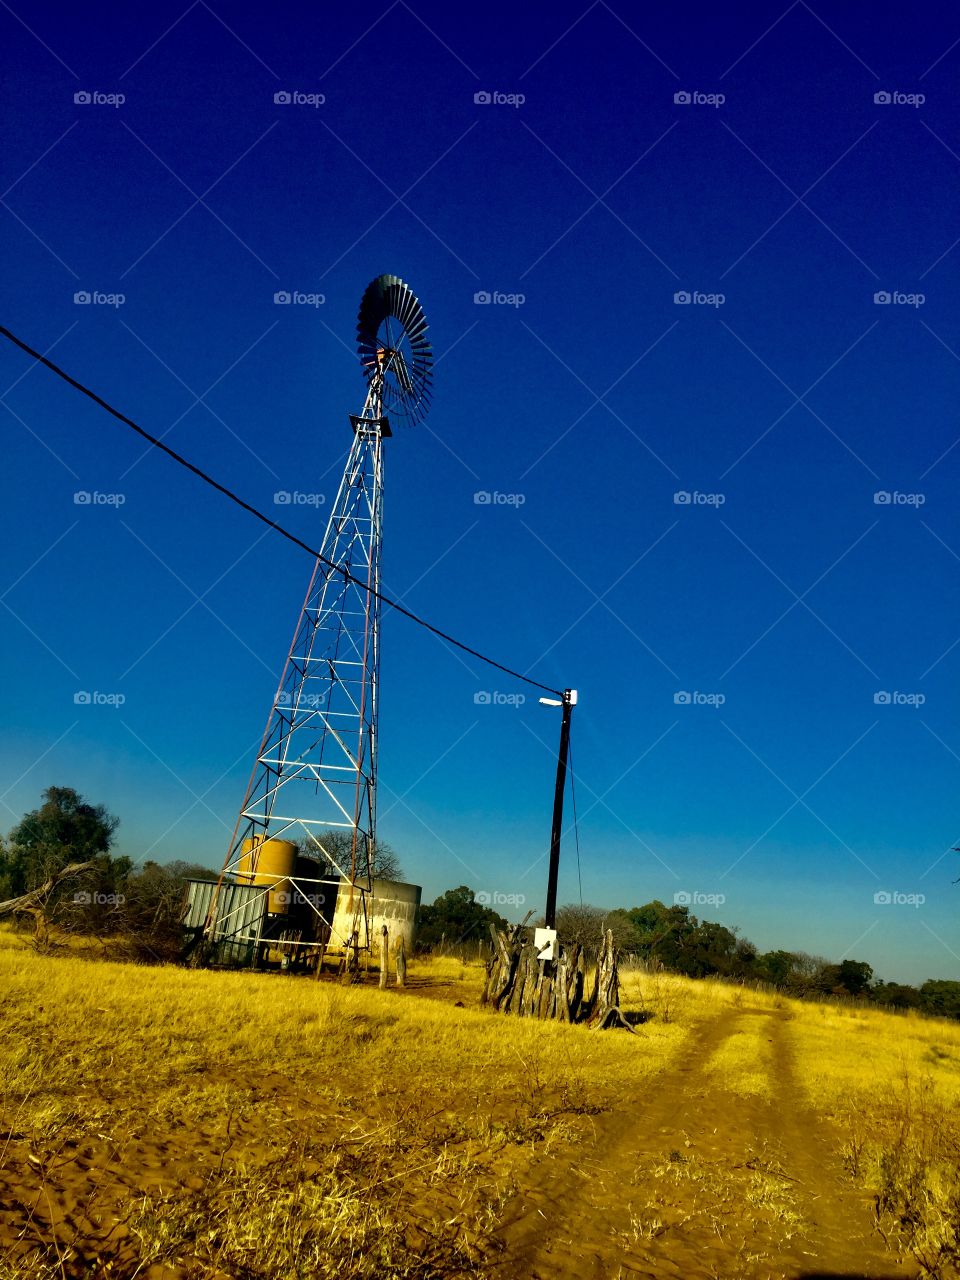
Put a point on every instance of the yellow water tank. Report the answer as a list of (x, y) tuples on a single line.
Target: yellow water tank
[(269, 862)]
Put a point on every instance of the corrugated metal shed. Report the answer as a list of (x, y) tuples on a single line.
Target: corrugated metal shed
[(240, 907)]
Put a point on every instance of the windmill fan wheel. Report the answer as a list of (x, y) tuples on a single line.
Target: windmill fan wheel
[(393, 346)]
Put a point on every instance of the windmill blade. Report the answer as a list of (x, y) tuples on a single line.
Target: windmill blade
[(391, 325)]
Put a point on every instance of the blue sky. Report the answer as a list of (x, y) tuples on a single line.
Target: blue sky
[(782, 398)]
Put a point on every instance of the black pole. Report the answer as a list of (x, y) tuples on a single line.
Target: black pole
[(550, 916)]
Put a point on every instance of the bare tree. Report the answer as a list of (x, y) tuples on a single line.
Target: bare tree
[(339, 844)]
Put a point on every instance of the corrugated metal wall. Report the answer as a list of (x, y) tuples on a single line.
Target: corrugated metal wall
[(240, 907)]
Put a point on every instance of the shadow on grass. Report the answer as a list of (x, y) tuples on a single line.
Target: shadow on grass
[(637, 1016)]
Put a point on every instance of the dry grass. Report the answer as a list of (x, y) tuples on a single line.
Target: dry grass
[(272, 1128), (893, 1086), (266, 1126)]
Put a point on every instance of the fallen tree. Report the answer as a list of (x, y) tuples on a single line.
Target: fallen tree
[(35, 902)]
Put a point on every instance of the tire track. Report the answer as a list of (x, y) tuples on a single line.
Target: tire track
[(695, 1181)]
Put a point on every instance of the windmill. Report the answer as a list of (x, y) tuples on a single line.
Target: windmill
[(306, 830)]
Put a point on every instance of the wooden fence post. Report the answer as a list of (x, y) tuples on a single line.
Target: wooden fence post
[(384, 957), (351, 960)]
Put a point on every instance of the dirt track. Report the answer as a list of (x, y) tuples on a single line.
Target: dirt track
[(694, 1181)]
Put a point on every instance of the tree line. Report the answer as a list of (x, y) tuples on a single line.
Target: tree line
[(143, 903), (674, 938), (140, 904)]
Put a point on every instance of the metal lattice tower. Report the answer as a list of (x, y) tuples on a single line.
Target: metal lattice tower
[(314, 782)]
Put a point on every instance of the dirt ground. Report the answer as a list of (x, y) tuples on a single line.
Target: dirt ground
[(692, 1176), (695, 1181)]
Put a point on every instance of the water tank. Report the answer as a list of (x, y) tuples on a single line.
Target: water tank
[(269, 862), (392, 903)]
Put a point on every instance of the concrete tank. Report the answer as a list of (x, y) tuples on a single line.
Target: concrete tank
[(392, 903), (269, 862)]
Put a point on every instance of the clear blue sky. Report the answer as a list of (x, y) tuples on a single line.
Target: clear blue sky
[(597, 399)]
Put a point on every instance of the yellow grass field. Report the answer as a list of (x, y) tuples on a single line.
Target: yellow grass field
[(177, 1124)]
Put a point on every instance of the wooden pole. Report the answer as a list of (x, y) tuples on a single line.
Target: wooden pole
[(550, 915), (384, 957), (351, 960)]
